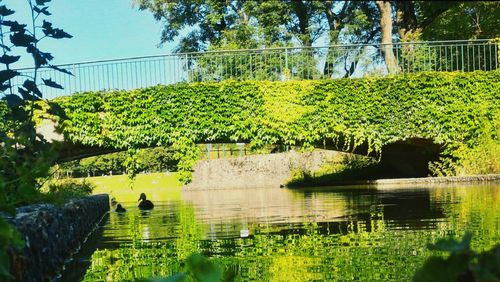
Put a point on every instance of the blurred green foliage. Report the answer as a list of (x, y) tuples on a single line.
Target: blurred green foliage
[(461, 264), (157, 159), (9, 237), (59, 191), (197, 268)]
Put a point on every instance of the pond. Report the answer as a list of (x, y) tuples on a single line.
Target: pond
[(271, 234)]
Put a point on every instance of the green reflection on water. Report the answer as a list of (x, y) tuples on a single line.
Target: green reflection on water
[(360, 234)]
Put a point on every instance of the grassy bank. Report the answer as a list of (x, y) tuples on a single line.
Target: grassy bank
[(157, 186)]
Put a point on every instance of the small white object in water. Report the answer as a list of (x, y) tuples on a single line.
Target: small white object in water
[(244, 233)]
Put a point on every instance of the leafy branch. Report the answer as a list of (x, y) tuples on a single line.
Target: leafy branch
[(25, 157)]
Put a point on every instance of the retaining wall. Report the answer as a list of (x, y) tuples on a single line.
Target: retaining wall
[(255, 171), (52, 234)]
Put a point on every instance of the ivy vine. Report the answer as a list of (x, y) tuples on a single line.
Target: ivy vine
[(450, 108)]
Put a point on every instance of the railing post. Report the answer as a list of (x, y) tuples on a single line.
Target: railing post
[(462, 55), (186, 68), (286, 64), (208, 148), (396, 48), (497, 54)]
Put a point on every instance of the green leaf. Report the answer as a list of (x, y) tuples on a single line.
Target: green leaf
[(4, 86), (15, 26), (4, 11), (56, 33), (27, 94), (31, 86), (7, 60), (203, 269), (6, 75), (42, 2), (451, 245), (12, 100), (52, 84), (487, 267), (5, 47), (177, 277), (4, 264), (42, 10), (61, 70), (20, 39), (41, 58), (434, 270)]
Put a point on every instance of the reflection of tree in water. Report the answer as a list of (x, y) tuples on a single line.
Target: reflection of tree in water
[(409, 209), (376, 237)]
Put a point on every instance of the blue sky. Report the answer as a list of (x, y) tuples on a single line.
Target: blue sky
[(101, 29)]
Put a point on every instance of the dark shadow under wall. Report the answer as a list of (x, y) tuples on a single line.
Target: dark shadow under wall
[(75, 269), (404, 159), (409, 158)]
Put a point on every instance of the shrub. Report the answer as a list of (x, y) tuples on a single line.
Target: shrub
[(61, 190)]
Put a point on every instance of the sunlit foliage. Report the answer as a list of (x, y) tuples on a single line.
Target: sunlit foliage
[(454, 109)]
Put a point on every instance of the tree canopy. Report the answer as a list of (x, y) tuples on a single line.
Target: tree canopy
[(213, 24)]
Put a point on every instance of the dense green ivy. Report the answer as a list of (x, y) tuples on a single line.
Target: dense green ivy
[(450, 108)]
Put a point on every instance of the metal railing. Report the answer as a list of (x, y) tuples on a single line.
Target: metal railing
[(325, 62), (226, 150)]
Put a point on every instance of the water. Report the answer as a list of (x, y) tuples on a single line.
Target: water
[(360, 234)]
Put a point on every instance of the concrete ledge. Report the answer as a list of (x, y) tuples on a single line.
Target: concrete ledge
[(380, 183), (52, 234), (446, 179)]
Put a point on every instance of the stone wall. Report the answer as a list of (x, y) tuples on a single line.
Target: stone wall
[(255, 171), (52, 234)]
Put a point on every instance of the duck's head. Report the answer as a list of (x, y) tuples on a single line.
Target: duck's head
[(119, 206), (142, 197)]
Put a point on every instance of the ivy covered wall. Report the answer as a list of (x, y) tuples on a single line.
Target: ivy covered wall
[(459, 110)]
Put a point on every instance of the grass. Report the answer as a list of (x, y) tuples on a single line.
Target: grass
[(157, 186)]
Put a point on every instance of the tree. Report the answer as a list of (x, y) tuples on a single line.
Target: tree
[(446, 20), (386, 27), (222, 25), (462, 20), (333, 22), (273, 23), (211, 18), (239, 24)]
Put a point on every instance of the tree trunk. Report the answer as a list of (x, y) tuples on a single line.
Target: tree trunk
[(301, 12), (386, 26), (335, 24), (405, 19)]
